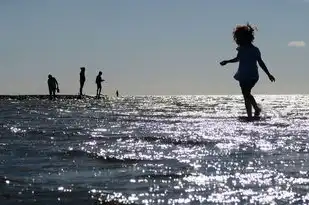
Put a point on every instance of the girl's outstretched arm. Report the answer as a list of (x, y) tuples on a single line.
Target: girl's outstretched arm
[(264, 68), (234, 60)]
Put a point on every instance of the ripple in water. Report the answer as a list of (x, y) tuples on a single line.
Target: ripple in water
[(154, 150)]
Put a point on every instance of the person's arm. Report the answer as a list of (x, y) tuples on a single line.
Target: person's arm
[(56, 83), (264, 68), (234, 60)]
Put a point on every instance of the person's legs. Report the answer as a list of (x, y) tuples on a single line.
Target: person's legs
[(252, 100), (100, 88), (50, 93), (54, 93), (81, 87), (246, 88), (255, 106), (246, 93)]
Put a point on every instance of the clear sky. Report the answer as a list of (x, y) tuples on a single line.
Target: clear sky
[(158, 47)]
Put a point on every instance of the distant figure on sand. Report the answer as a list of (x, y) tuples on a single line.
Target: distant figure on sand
[(117, 93), (99, 81), (52, 86), (82, 80), (247, 74)]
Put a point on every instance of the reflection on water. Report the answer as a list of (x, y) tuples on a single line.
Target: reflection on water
[(154, 150)]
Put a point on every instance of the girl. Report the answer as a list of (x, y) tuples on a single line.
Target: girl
[(248, 55)]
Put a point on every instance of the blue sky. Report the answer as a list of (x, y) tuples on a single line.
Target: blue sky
[(156, 47)]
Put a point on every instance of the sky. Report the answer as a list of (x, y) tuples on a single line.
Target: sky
[(147, 47)]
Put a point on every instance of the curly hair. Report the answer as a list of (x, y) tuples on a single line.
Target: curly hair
[(244, 34)]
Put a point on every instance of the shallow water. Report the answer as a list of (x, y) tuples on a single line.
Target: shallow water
[(154, 150)]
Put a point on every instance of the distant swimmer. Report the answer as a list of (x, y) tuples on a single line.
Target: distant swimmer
[(117, 93), (53, 86), (82, 80), (248, 56), (99, 81)]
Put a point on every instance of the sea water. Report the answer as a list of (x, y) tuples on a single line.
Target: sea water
[(154, 150)]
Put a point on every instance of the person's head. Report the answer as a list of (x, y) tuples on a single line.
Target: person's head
[(243, 34), (100, 73), (82, 68), (50, 76)]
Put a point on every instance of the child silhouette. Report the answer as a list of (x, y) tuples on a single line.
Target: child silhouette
[(248, 56)]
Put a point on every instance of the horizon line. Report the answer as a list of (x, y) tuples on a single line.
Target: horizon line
[(74, 95)]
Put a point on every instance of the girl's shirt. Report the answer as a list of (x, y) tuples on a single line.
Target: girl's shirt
[(247, 69)]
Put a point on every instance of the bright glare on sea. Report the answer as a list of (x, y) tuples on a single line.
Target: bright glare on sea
[(154, 150)]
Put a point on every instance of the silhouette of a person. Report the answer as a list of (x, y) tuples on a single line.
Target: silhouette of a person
[(53, 86), (248, 56), (117, 93), (82, 80), (99, 81)]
